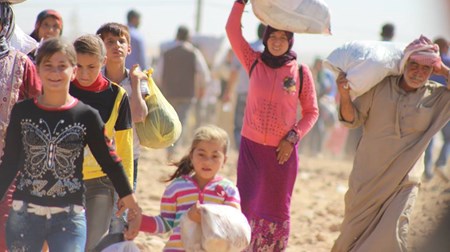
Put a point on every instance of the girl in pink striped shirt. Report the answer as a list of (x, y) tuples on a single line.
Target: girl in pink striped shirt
[(195, 180)]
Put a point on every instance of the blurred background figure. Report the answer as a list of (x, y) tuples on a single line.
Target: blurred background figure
[(326, 90), (49, 24), (182, 74), (214, 49), (137, 55), (441, 162), (387, 32)]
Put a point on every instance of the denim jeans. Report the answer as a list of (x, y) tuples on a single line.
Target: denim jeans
[(65, 231), (99, 207), (117, 223)]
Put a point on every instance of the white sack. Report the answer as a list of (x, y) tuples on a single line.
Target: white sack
[(223, 229), (299, 16), (125, 246), (366, 63), (22, 42)]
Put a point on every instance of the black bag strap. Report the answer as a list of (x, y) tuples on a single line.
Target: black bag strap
[(300, 71), (252, 67)]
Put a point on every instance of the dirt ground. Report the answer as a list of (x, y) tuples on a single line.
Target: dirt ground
[(317, 204)]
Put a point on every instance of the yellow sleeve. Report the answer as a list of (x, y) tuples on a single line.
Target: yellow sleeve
[(124, 148)]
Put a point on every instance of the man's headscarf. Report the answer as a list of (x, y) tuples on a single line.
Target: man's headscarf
[(422, 51), (7, 21), (43, 15), (277, 61)]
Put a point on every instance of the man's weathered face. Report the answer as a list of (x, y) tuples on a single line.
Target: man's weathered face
[(416, 75)]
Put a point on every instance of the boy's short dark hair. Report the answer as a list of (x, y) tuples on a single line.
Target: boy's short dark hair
[(90, 44), (54, 45), (115, 29)]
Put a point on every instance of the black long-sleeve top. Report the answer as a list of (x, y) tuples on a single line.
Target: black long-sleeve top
[(46, 147)]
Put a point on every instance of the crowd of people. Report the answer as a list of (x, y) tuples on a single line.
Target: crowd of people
[(69, 149)]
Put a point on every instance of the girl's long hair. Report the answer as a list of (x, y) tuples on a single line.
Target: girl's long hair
[(204, 133)]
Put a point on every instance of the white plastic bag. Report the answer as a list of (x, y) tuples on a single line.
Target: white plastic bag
[(223, 229), (125, 246), (22, 42), (366, 63), (299, 16)]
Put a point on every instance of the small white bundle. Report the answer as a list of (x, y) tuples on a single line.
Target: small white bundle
[(299, 16), (125, 246), (365, 63), (223, 229)]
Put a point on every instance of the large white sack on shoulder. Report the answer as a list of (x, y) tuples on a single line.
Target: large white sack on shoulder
[(22, 42), (299, 16), (191, 234), (224, 229), (366, 63)]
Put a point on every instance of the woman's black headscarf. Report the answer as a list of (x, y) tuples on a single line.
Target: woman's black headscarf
[(277, 61), (7, 21)]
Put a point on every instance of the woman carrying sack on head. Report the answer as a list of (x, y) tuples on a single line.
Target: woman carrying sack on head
[(268, 156)]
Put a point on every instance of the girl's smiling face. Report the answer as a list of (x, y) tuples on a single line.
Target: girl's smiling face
[(207, 158), (56, 72), (278, 43)]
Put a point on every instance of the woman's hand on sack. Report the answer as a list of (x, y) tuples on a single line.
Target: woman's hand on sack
[(194, 213), (242, 1), (342, 84), (284, 151)]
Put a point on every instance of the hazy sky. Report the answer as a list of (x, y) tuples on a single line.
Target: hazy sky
[(350, 19)]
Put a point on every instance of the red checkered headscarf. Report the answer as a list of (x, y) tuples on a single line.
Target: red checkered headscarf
[(423, 51)]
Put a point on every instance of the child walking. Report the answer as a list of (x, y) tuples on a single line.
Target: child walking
[(117, 43), (116, 38), (194, 180), (19, 80), (44, 145), (111, 101)]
